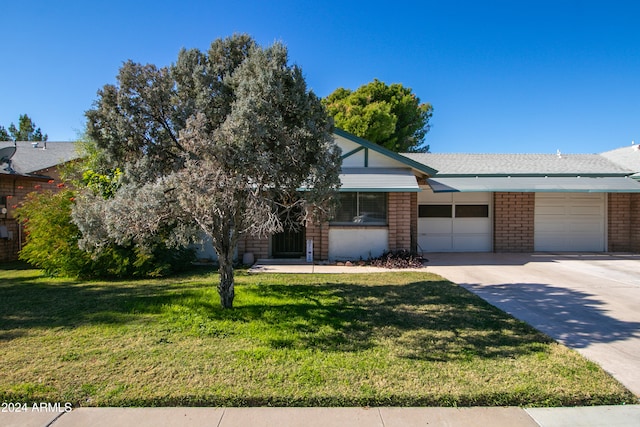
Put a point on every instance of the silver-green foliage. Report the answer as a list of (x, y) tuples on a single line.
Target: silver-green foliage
[(220, 142)]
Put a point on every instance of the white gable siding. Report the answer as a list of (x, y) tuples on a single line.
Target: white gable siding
[(364, 157)]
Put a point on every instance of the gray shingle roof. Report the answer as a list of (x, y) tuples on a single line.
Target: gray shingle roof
[(29, 160), (628, 157), (520, 164)]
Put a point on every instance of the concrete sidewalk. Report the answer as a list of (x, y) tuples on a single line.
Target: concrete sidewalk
[(618, 416)]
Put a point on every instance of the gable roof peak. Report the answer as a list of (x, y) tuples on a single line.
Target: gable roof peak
[(399, 157)]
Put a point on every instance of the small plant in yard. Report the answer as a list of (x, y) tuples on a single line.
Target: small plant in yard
[(392, 339)]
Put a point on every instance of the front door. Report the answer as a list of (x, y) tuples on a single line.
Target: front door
[(288, 244)]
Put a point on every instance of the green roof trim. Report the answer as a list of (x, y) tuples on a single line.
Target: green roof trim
[(385, 152), (551, 184), (352, 152), (533, 175)]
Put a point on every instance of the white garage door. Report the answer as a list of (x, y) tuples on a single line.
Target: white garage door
[(454, 222), (570, 222)]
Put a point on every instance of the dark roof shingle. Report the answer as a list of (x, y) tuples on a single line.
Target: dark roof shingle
[(30, 158)]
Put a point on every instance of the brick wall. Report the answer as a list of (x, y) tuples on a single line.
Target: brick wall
[(399, 217), (320, 235), (15, 189), (414, 222), (513, 222), (619, 222), (258, 246), (634, 209)]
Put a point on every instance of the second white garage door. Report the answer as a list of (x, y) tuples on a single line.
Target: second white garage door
[(570, 222)]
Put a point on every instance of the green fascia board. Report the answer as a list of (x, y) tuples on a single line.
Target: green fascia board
[(533, 175), (386, 152), (556, 184), (371, 190), (380, 190)]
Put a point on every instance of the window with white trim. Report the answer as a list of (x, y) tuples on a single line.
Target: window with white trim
[(360, 208)]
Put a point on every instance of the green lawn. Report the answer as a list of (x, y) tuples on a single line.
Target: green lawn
[(333, 340)]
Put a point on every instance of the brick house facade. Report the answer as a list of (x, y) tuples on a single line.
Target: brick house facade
[(490, 210), (33, 167), (371, 176), (400, 225)]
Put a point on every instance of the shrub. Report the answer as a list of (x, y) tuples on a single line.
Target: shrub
[(52, 244), (51, 237), (398, 259)]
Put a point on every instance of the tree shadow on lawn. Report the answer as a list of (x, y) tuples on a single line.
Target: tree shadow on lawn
[(426, 320), (429, 320)]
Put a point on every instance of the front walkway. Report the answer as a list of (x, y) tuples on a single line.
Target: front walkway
[(300, 266)]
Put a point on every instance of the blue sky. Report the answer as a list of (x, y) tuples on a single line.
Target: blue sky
[(502, 76)]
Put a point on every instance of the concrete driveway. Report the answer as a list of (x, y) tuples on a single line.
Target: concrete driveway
[(589, 302)]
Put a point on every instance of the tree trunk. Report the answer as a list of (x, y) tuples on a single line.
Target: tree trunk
[(225, 242), (226, 285), (226, 248)]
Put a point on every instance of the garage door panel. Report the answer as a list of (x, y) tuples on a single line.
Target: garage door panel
[(588, 242), (435, 243), (471, 243), (431, 197), (590, 228), (569, 222), (435, 225), (472, 226), (550, 227), (552, 196), (585, 210), (551, 210), (471, 197)]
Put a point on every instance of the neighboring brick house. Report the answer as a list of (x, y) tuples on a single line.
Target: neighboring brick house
[(32, 166)]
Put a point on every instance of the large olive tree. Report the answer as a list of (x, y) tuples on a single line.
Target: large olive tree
[(222, 142)]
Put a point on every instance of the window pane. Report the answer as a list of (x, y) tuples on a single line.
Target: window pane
[(361, 208), (472, 211), (347, 209), (434, 211), (373, 208)]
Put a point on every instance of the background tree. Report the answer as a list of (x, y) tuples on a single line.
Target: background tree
[(391, 116), (220, 142), (26, 131)]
